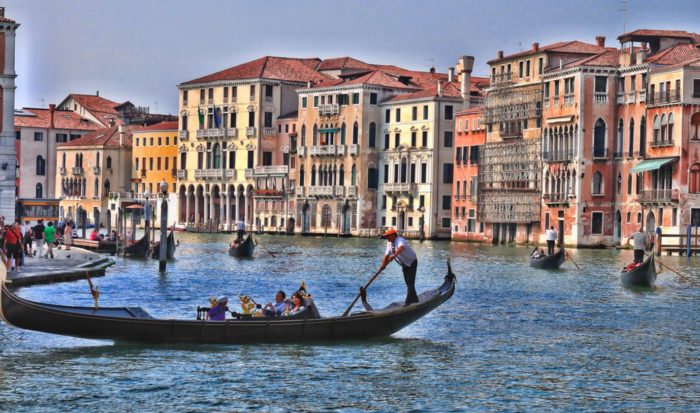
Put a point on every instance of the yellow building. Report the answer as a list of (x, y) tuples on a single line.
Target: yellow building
[(154, 157)]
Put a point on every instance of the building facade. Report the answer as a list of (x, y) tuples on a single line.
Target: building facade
[(8, 156)]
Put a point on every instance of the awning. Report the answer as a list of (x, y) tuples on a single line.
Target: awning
[(327, 130), (651, 164), (560, 119)]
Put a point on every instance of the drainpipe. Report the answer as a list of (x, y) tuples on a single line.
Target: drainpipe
[(613, 188)]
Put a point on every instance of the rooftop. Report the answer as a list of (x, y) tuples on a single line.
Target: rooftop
[(269, 67), (108, 137), (63, 119)]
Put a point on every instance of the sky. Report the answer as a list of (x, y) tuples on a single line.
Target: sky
[(140, 50)]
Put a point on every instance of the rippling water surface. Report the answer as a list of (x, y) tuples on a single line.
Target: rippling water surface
[(510, 339)]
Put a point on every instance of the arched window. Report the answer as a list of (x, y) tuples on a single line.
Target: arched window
[(303, 135), (657, 130), (599, 139), (643, 136), (618, 147), (694, 179), (64, 160), (629, 184), (39, 191), (630, 143), (97, 162), (372, 135), (217, 156), (669, 133), (341, 177), (315, 135), (40, 165), (108, 163), (664, 128), (355, 133), (342, 134), (183, 160), (597, 183), (301, 176), (96, 188), (353, 176), (619, 183), (313, 175)]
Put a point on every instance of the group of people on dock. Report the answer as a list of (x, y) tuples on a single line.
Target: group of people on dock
[(18, 241)]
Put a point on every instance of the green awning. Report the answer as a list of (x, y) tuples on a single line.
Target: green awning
[(651, 164), (329, 130)]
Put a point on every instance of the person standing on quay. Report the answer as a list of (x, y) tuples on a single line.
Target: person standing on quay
[(397, 248), (68, 235), (39, 238), (551, 239), (50, 237)]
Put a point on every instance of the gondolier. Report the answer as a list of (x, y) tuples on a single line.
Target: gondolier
[(240, 230), (397, 248), (639, 240), (551, 238)]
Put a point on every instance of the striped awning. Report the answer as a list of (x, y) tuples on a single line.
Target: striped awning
[(651, 164), (327, 130), (560, 119)]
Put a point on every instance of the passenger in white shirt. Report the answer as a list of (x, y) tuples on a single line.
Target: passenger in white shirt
[(551, 238), (398, 249)]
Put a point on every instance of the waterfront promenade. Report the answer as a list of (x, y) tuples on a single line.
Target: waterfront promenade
[(66, 266)]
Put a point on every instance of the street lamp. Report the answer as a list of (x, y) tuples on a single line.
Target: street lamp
[(421, 222)]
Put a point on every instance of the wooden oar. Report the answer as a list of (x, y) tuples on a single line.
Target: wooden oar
[(376, 274), (268, 251), (572, 260), (683, 276)]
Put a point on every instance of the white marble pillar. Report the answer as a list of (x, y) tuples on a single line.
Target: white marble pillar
[(206, 208), (196, 209), (188, 198), (222, 202), (246, 212), (229, 204), (238, 207)]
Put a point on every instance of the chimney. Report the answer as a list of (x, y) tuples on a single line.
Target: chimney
[(451, 74), (432, 69), (467, 64), (52, 110), (97, 93), (121, 135), (439, 88), (111, 122), (535, 47), (2, 12), (500, 54), (308, 84), (600, 41)]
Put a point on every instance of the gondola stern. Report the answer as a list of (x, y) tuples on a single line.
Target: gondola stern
[(3, 280)]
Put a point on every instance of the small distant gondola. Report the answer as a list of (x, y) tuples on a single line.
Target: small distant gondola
[(643, 275), (138, 249), (155, 248), (549, 262), (135, 324), (244, 249)]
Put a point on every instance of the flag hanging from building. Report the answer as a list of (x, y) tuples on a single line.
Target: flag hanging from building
[(200, 115), (217, 117)]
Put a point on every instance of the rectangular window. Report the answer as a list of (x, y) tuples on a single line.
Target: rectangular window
[(397, 140), (234, 93), (414, 113), (268, 119), (250, 159), (465, 154), (184, 97), (421, 201), (38, 136), (393, 221), (633, 83), (424, 139), (268, 91), (150, 164), (424, 172), (386, 141), (158, 163), (355, 98), (414, 138), (61, 137), (210, 94), (546, 220), (540, 66), (447, 170), (696, 88), (372, 178), (601, 84), (520, 69), (449, 112), (315, 101), (448, 139), (383, 201), (201, 96), (458, 155), (251, 119), (252, 92), (674, 216), (386, 173), (527, 68), (597, 223), (387, 116), (234, 118), (398, 115), (446, 202), (267, 158), (425, 112), (167, 163), (372, 98), (303, 102)]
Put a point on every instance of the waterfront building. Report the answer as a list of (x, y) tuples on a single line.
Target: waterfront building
[(39, 132), (8, 155), (94, 165), (470, 136), (226, 119), (104, 111)]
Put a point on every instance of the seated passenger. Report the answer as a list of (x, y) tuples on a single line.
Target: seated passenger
[(234, 244), (218, 312), (94, 235), (278, 308), (297, 306), (537, 254)]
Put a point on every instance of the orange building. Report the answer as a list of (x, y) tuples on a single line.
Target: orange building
[(154, 157), (470, 137)]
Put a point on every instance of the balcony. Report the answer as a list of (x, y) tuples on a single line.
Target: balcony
[(271, 170), (600, 97), (62, 170), (252, 98), (631, 97), (502, 78), (569, 99), (268, 131), (338, 191), (183, 135), (340, 150), (658, 196), (182, 174), (249, 131), (555, 101), (213, 133), (514, 133), (268, 98), (558, 156), (620, 98), (329, 109), (208, 173), (322, 150), (666, 97), (249, 173), (642, 95), (230, 174), (299, 191), (354, 149), (302, 151), (96, 170), (351, 192), (173, 173), (555, 198), (659, 143), (399, 187), (600, 154), (78, 170), (268, 193), (142, 173), (321, 191)]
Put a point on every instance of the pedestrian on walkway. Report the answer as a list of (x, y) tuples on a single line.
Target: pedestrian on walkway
[(68, 235), (27, 239), (50, 238), (13, 246), (38, 231)]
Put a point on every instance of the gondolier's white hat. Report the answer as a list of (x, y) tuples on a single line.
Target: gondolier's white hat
[(222, 300)]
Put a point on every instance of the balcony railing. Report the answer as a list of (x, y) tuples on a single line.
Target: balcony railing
[(181, 174), (558, 156), (320, 191), (268, 131), (299, 191), (400, 187), (502, 78), (568, 99), (354, 149), (272, 170), (513, 133), (143, 173), (600, 153), (213, 133), (183, 135), (338, 191), (351, 191), (322, 150), (78, 170), (340, 150), (660, 98), (620, 98), (631, 96), (96, 170), (600, 97), (302, 151), (658, 195), (329, 109), (555, 198), (249, 173), (656, 143), (642, 95), (250, 131), (208, 173), (62, 170)]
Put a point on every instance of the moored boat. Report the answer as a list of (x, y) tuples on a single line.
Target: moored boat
[(549, 262), (138, 249), (155, 248), (135, 324), (244, 249), (643, 275)]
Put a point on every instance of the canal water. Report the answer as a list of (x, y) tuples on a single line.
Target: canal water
[(510, 339)]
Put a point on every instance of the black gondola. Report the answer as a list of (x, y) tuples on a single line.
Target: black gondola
[(135, 324), (549, 262), (643, 275), (138, 249), (244, 249), (155, 248)]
